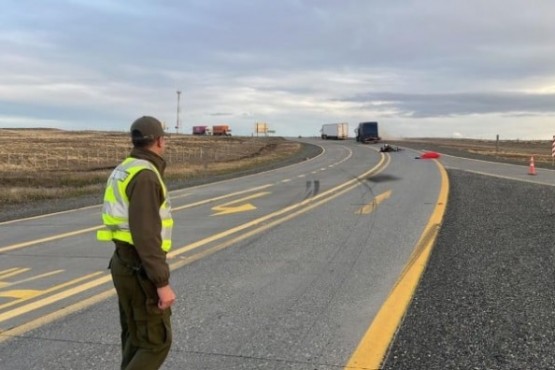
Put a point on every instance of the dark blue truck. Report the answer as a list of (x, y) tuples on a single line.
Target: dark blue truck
[(367, 132)]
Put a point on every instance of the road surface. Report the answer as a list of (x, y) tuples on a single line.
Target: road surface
[(286, 269)]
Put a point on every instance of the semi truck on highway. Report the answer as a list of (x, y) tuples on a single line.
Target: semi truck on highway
[(337, 131), (221, 130), (202, 130), (367, 132)]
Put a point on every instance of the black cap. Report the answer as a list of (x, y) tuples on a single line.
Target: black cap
[(146, 128)]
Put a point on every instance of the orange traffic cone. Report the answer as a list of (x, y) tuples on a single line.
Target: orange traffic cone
[(532, 169)]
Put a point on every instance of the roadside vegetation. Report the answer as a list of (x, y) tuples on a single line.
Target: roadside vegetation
[(510, 151), (43, 164)]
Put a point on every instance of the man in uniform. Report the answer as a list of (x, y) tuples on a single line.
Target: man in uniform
[(137, 218)]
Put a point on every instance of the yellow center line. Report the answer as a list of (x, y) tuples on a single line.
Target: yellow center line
[(17, 271), (370, 207), (55, 298), (7, 270), (58, 314), (53, 289), (46, 274)]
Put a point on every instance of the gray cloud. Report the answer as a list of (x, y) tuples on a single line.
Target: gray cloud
[(220, 114), (455, 104), (286, 62)]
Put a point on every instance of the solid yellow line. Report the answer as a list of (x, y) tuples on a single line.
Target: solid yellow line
[(58, 314), (373, 347), (13, 273), (52, 299), (7, 270), (370, 207), (53, 289), (46, 274)]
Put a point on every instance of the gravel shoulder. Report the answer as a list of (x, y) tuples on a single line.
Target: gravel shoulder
[(486, 298)]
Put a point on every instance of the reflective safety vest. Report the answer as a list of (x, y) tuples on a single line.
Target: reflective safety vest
[(115, 213)]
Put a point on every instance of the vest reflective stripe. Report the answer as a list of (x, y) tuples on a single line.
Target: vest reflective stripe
[(115, 213)]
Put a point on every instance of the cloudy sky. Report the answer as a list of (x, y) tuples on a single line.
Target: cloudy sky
[(457, 68)]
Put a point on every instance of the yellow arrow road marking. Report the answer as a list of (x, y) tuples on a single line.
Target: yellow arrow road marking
[(211, 200), (54, 288), (229, 207), (55, 298), (370, 207), (22, 293)]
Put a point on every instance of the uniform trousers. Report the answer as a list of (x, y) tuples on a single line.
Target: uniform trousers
[(146, 333)]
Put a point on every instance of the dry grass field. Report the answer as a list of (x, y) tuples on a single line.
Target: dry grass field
[(41, 164), (511, 151)]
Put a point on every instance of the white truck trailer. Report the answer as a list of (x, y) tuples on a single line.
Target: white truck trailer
[(337, 131)]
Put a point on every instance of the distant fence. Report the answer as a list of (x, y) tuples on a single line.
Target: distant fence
[(87, 159)]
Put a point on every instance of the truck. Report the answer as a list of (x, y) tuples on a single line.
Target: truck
[(367, 132), (337, 131), (221, 130), (202, 130)]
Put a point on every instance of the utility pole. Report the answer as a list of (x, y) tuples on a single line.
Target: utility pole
[(177, 124)]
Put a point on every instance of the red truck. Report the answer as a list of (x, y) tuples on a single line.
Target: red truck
[(222, 130)]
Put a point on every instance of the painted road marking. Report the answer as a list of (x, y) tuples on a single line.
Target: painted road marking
[(19, 294), (215, 199), (7, 270), (46, 274), (376, 169), (370, 207), (53, 289), (48, 239), (83, 231), (53, 299), (230, 207), (13, 272), (307, 204), (373, 347)]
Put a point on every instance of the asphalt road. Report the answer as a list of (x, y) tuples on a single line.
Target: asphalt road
[(299, 289), (281, 270)]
